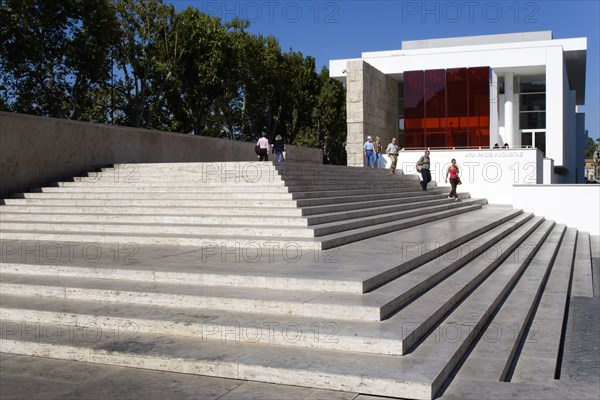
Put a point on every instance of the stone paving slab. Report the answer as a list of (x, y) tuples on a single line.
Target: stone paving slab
[(43, 378), (26, 377), (474, 390)]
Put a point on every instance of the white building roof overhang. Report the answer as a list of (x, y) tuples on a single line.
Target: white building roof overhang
[(517, 57)]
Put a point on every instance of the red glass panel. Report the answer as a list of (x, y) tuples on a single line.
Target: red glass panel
[(434, 88), (435, 94), (479, 106), (457, 92), (414, 109), (447, 108)]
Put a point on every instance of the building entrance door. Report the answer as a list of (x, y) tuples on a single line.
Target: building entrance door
[(534, 138)]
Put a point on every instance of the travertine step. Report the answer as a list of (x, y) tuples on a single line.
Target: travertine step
[(337, 270), (328, 235), (538, 357), (417, 375), (341, 238), (226, 326), (151, 202), (225, 241), (243, 209), (336, 196), (423, 315), (199, 230), (497, 349), (219, 218), (582, 268), (220, 187), (356, 220), (176, 187), (203, 193), (413, 283), (232, 178), (355, 372), (220, 215), (337, 204), (443, 348), (372, 306), (325, 276)]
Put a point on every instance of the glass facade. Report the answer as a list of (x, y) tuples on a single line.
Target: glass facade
[(532, 102), (446, 108)]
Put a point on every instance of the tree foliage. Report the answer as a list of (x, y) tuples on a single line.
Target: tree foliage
[(591, 147), (140, 63), (55, 59)]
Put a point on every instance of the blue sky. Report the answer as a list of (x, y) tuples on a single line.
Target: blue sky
[(343, 29)]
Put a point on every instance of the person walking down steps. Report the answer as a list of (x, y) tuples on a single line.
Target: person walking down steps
[(369, 152), (453, 171), (423, 167), (378, 149), (392, 152)]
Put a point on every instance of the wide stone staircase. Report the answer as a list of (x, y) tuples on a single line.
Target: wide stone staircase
[(321, 276), (227, 204)]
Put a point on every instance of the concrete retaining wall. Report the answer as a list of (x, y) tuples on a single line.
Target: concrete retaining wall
[(574, 205), (36, 150)]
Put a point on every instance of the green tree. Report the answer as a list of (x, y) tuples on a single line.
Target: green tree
[(200, 72), (327, 129), (301, 93), (233, 108), (329, 115), (55, 56), (591, 147), (146, 55), (143, 64)]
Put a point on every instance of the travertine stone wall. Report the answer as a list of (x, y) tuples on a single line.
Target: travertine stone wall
[(372, 108), (35, 150)]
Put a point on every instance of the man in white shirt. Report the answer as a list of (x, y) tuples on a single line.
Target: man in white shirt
[(369, 152), (392, 152), (263, 143)]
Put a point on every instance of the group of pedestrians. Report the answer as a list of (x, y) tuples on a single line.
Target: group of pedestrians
[(424, 165), (278, 148), (374, 150)]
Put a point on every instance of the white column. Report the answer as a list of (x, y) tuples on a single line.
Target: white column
[(557, 102), (508, 109)]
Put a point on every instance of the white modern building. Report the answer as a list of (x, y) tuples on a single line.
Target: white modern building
[(464, 95)]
